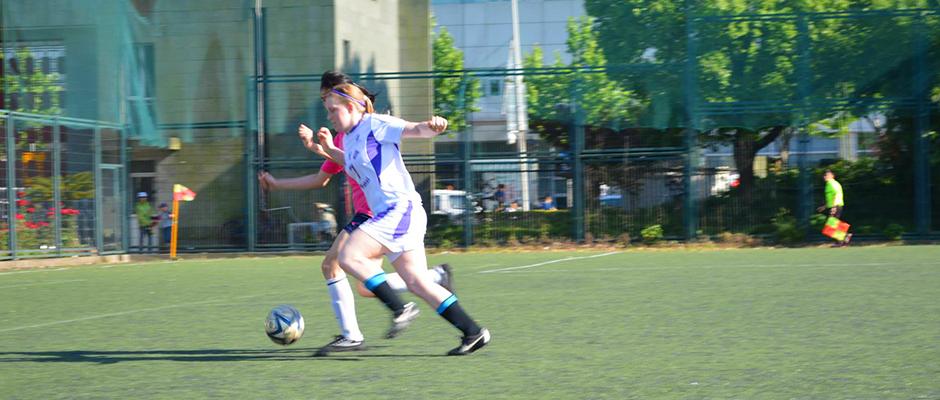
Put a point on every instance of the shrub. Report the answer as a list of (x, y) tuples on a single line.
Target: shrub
[(787, 230), (623, 240), (894, 231), (652, 234)]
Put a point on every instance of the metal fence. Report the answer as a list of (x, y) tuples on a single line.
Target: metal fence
[(694, 154)]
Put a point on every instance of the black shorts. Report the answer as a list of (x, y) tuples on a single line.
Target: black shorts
[(838, 213), (357, 220)]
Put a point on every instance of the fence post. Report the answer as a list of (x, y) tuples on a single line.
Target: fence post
[(99, 224), (251, 126), (691, 59), (578, 168), (126, 205), (804, 91), (921, 123), (466, 144), (56, 183), (11, 182)]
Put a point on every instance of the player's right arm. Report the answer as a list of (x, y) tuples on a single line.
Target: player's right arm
[(334, 154), (314, 181)]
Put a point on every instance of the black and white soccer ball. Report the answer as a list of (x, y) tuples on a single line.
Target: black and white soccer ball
[(284, 325)]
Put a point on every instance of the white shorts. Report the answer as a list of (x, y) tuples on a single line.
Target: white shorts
[(400, 228)]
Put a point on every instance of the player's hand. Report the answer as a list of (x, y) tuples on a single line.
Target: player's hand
[(437, 124), (267, 181), (832, 212), (326, 138), (306, 135), (820, 209)]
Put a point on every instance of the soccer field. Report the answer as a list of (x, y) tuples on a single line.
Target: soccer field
[(790, 323)]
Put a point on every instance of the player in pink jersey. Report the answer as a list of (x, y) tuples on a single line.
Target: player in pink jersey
[(343, 301)]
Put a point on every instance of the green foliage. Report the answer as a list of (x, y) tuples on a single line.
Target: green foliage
[(817, 221), (759, 61), (604, 101), (79, 185), (894, 231), (652, 234), (36, 86), (788, 231), (448, 102)]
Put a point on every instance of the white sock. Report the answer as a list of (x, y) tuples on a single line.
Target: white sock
[(436, 273), (344, 307), (398, 285)]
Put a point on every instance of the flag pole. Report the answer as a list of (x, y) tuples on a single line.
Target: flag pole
[(173, 235)]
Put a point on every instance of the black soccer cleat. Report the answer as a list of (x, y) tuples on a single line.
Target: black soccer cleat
[(340, 343), (469, 344)]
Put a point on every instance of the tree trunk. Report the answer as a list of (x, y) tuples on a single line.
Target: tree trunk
[(746, 145)]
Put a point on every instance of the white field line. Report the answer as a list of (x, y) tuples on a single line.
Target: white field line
[(115, 314), (29, 271), (41, 283), (508, 269), (716, 266)]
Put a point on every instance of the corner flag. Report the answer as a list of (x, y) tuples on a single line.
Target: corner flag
[(183, 193), (180, 193)]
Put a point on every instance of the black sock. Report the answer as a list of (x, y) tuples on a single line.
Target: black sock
[(460, 319), (388, 296)]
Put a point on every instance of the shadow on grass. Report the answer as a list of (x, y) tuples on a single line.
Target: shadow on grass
[(203, 355)]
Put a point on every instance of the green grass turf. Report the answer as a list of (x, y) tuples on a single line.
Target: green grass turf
[(792, 323)]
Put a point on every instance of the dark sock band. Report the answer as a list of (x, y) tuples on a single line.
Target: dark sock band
[(460, 320), (388, 296)]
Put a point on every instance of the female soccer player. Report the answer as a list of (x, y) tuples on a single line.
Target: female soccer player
[(343, 301), (371, 156)]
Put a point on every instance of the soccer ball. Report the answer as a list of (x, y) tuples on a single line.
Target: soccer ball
[(284, 325)]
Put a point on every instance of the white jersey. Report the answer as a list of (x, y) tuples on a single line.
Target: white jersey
[(373, 159)]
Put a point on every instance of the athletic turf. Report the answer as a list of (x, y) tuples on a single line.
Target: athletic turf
[(795, 323)]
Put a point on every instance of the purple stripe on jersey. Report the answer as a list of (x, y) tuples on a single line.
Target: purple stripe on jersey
[(384, 213), (402, 228), (374, 151)]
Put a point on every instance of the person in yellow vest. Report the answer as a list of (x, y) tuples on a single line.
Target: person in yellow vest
[(835, 201), (145, 213)]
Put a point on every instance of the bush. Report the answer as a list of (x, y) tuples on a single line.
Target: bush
[(817, 221), (652, 234), (787, 230), (737, 239), (623, 240), (894, 231)]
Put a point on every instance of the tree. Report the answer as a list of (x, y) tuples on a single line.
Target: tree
[(742, 62), (447, 91), (604, 102)]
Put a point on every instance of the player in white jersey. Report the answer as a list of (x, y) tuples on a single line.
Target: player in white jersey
[(341, 296), (371, 156)]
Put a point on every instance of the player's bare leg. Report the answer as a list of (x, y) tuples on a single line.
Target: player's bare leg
[(412, 266), (361, 256)]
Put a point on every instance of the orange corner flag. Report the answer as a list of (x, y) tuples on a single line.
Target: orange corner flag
[(182, 193)]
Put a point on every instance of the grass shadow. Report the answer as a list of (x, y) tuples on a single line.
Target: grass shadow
[(202, 355)]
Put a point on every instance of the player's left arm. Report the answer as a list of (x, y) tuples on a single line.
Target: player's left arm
[(426, 129)]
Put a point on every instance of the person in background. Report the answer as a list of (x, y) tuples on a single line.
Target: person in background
[(165, 223), (500, 196), (835, 201), (145, 213), (549, 203)]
